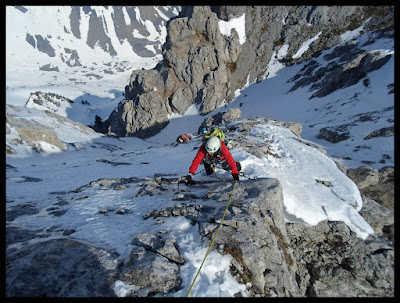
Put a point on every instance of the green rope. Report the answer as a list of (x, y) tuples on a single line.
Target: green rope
[(209, 249)]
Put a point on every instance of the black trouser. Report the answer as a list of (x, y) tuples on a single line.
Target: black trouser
[(224, 165)]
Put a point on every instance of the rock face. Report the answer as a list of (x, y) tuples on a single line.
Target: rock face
[(202, 66), (254, 233), (332, 262), (274, 258), (195, 70), (377, 186)]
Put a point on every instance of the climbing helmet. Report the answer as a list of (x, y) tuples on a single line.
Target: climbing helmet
[(213, 145)]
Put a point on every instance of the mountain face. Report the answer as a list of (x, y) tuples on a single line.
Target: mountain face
[(104, 218), (204, 65), (142, 28), (69, 46)]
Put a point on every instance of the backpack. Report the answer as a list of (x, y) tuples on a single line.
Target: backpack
[(214, 132)]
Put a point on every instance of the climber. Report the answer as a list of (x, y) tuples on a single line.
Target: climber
[(213, 151)]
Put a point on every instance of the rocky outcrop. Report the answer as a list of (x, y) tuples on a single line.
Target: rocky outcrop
[(332, 262), (202, 66), (39, 132), (221, 118), (377, 186), (194, 70), (274, 258), (353, 66)]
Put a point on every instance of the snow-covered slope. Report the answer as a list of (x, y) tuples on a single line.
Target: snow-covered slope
[(352, 113), (80, 52)]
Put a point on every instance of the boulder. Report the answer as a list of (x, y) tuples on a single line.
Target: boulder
[(149, 272)]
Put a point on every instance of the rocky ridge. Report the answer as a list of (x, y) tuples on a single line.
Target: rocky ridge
[(272, 257)]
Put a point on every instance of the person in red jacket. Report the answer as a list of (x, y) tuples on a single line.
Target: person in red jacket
[(214, 151)]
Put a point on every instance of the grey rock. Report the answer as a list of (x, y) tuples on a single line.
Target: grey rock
[(333, 262), (377, 215), (202, 66), (383, 132), (165, 247), (21, 210), (149, 271), (58, 268), (334, 134), (363, 176), (222, 118), (377, 185)]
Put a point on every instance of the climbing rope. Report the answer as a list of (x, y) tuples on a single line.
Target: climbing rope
[(212, 242)]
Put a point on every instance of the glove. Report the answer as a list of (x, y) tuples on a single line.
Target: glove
[(189, 179), (235, 176)]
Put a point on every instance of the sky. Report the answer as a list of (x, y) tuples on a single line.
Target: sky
[(86, 160)]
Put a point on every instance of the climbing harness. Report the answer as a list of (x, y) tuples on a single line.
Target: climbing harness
[(209, 249)]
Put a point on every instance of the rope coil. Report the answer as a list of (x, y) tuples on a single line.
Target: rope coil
[(209, 249)]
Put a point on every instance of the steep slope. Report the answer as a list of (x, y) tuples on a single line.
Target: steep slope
[(203, 66)]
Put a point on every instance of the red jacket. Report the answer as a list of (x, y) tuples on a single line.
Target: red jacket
[(224, 154)]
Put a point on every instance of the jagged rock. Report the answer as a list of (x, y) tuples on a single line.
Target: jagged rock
[(154, 243), (377, 215), (276, 258), (149, 272), (61, 267), (347, 75), (333, 262), (295, 127), (222, 118), (202, 66), (383, 132), (377, 185), (256, 238), (193, 69)]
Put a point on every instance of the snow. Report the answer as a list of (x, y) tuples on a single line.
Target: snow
[(349, 35), (274, 65), (239, 23), (304, 47), (298, 167)]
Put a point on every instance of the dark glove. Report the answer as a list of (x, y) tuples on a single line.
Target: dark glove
[(189, 179), (235, 176)]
